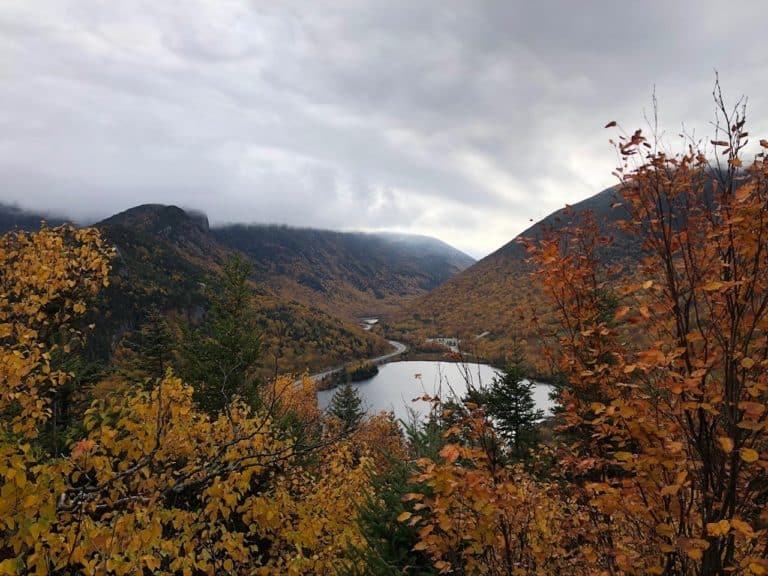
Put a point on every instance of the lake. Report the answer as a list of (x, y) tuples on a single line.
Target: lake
[(398, 383)]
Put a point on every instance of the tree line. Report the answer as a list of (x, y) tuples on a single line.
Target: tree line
[(184, 460)]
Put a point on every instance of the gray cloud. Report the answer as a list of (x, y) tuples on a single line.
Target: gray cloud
[(459, 119)]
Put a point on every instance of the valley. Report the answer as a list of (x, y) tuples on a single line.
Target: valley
[(383, 288), (313, 289), (328, 298), (319, 365)]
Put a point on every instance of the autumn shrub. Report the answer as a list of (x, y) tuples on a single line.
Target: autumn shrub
[(667, 394), (662, 444), (157, 485)]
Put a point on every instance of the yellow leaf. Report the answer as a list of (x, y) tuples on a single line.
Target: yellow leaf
[(713, 286), (749, 455), (742, 527), (675, 447), (404, 516), (720, 528), (747, 363), (10, 566), (670, 490), (726, 444), (597, 407)]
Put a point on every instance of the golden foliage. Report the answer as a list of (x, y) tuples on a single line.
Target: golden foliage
[(670, 425), (44, 282), (477, 515), (664, 453), (155, 485)]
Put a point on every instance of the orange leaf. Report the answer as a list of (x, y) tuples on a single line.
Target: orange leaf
[(713, 286), (450, 452), (726, 444)]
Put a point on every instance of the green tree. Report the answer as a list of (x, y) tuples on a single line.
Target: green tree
[(511, 404), (152, 346), (220, 356), (389, 543), (347, 406)]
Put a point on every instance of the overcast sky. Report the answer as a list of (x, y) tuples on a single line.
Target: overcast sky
[(458, 119)]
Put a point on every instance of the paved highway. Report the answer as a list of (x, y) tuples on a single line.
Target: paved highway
[(399, 349)]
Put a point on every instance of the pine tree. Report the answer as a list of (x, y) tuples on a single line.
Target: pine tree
[(219, 357), (151, 346), (346, 405), (388, 549), (511, 404)]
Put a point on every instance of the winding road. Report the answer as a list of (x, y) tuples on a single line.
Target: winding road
[(399, 349)]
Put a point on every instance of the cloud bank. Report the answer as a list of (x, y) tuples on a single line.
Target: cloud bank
[(462, 120)]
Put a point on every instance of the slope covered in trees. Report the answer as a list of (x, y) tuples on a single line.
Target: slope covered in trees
[(311, 285), (657, 461), (346, 273), (167, 259), (496, 297)]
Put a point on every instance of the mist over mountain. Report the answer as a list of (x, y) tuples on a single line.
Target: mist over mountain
[(350, 273), (310, 286), (167, 258), (13, 217)]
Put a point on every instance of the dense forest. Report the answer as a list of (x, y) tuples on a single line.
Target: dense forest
[(347, 274), (191, 449), (490, 306)]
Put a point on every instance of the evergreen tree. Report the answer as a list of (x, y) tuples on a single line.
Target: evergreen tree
[(347, 406), (151, 346), (511, 404), (219, 357), (389, 543)]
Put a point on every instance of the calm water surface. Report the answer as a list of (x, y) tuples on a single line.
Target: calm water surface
[(398, 383)]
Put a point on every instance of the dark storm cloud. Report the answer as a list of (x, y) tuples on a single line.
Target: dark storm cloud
[(457, 119)]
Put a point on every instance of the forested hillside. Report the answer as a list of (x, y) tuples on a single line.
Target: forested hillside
[(312, 286), (167, 258), (348, 274), (496, 297)]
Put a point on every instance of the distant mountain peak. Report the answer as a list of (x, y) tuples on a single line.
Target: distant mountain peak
[(158, 217)]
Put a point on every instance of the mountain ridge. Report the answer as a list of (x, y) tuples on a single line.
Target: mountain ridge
[(352, 273), (169, 260), (14, 217), (482, 304)]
